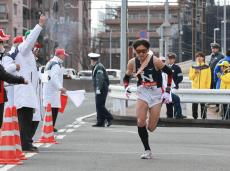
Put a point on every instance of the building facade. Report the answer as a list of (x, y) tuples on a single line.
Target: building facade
[(139, 20), (68, 26)]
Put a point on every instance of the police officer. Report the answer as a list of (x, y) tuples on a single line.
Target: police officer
[(177, 78), (216, 56), (100, 84)]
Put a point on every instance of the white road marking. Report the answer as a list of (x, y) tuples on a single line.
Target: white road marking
[(129, 152), (37, 144), (28, 155), (7, 167), (121, 131), (70, 130), (69, 126), (61, 130), (76, 126), (60, 137), (47, 145)]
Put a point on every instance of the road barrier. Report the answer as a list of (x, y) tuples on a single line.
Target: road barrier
[(210, 96)]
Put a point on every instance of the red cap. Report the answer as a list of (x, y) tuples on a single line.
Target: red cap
[(38, 45), (59, 52), (2, 34), (18, 39), (2, 39)]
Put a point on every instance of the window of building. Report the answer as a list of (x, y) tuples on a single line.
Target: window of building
[(2, 8), (15, 9), (25, 2)]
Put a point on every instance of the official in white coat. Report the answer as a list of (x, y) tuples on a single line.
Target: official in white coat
[(25, 97), (8, 61), (37, 116), (53, 89)]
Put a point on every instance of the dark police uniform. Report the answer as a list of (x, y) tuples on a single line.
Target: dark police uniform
[(101, 84), (177, 78), (215, 58)]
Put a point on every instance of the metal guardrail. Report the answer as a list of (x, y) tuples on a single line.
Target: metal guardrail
[(186, 95)]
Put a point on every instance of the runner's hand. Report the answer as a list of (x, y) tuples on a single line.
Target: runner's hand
[(166, 98), (128, 91), (98, 91)]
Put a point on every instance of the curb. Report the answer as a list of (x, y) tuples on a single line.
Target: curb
[(169, 122)]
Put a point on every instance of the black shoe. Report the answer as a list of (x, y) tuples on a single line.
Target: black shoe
[(30, 150), (55, 130), (181, 117), (98, 125), (109, 122)]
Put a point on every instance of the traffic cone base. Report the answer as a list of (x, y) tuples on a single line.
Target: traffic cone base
[(7, 141), (17, 137), (48, 129)]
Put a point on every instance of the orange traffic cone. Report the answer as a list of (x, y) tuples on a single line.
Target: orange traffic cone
[(48, 129), (7, 141), (19, 152)]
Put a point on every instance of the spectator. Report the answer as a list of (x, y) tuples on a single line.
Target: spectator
[(177, 78), (224, 76), (175, 99), (200, 75)]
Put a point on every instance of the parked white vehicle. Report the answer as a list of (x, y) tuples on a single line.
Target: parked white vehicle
[(70, 72), (85, 74), (114, 74)]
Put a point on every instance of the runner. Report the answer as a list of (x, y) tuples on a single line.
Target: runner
[(147, 69)]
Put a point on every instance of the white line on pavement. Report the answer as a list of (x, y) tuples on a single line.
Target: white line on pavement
[(69, 126), (60, 137), (70, 130), (7, 167), (122, 131), (61, 130), (28, 155), (47, 145), (76, 126), (155, 154)]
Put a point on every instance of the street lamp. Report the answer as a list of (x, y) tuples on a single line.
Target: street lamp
[(215, 29)]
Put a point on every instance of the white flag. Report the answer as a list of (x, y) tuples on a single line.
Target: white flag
[(77, 96)]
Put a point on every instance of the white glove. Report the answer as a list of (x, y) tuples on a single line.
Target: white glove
[(98, 91), (166, 98), (128, 91)]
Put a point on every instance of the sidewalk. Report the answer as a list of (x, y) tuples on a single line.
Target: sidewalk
[(213, 118)]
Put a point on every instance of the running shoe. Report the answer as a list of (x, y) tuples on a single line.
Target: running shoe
[(147, 155)]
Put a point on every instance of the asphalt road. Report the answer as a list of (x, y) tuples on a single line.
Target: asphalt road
[(117, 148)]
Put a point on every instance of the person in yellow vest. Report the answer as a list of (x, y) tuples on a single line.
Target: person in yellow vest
[(200, 75), (224, 76)]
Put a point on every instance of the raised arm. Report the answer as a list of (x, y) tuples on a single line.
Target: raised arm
[(28, 44)]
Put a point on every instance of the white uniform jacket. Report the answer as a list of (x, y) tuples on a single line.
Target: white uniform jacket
[(10, 67), (51, 89), (25, 95)]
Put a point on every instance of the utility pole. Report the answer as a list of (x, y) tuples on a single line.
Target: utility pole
[(203, 27), (110, 49), (148, 24), (167, 27), (180, 31), (224, 49), (123, 39), (193, 29)]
